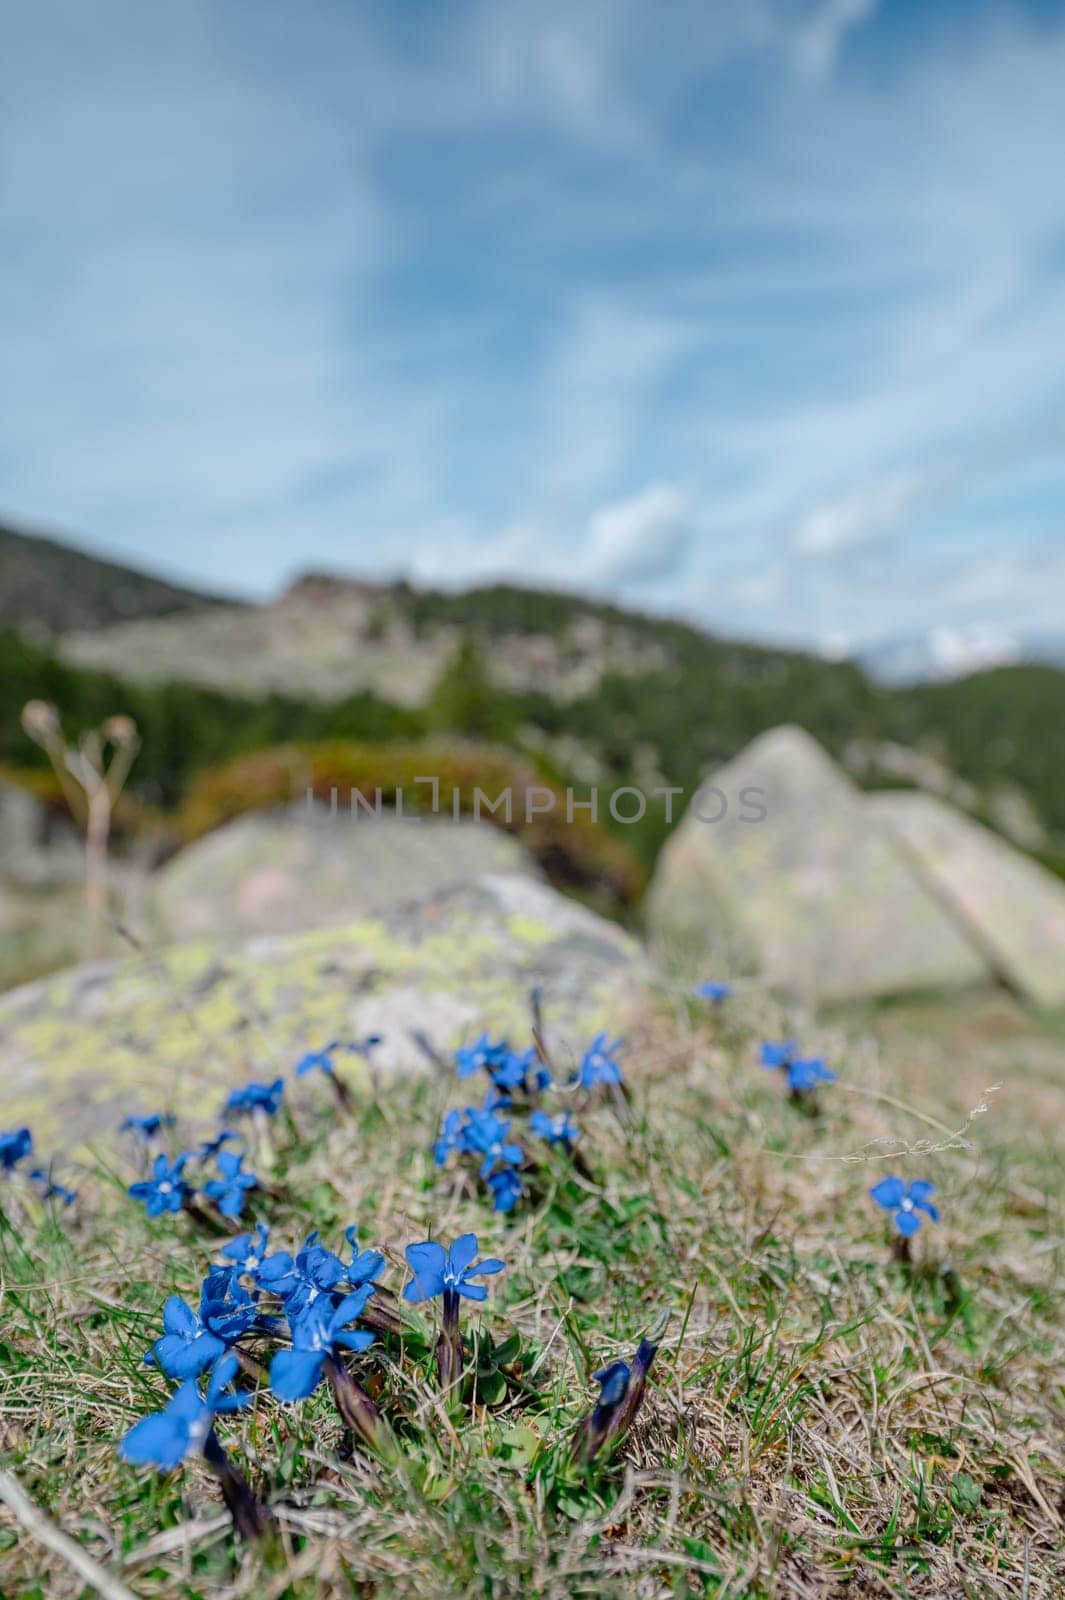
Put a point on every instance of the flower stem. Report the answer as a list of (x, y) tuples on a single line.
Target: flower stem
[(250, 1365), (249, 1518), (593, 1431), (625, 1415), (383, 1314), (357, 1410), (449, 1355), (209, 1221), (343, 1094), (263, 1139)]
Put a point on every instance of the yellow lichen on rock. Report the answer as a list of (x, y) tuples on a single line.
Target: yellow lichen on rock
[(176, 1029)]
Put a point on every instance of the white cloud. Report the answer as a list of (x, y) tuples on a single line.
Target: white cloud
[(956, 649), (625, 545), (817, 41), (640, 539), (877, 510)]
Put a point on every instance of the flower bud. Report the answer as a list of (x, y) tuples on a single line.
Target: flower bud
[(40, 720)]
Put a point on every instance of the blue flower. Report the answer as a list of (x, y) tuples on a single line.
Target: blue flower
[(598, 1064), (905, 1203), (187, 1347), (248, 1252), (318, 1061), (298, 1283), (229, 1190), (509, 1073), (318, 1332), (193, 1341), (439, 1271), (364, 1047), (525, 1072), (14, 1147), (806, 1074), (451, 1137), (265, 1097), (613, 1382), (365, 1265), (165, 1190), (227, 1308), (559, 1129), (779, 1055), (225, 1136), (486, 1134), (803, 1073), (506, 1189), (147, 1127), (165, 1438), (716, 993), (49, 1189), (481, 1056)]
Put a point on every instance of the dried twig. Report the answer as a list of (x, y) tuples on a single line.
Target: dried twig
[(41, 1528)]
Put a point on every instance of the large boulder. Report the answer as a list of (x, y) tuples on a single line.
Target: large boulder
[(42, 888), (791, 877), (1011, 908), (179, 1027), (283, 871)]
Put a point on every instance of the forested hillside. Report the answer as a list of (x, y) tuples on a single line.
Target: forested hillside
[(994, 729)]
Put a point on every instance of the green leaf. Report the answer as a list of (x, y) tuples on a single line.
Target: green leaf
[(491, 1388), (965, 1492), (508, 1351)]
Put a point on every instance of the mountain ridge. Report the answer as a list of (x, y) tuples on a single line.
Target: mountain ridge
[(598, 691), (49, 587)]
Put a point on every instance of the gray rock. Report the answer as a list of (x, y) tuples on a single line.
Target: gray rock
[(283, 871), (178, 1027), (21, 825), (1010, 907), (815, 897)]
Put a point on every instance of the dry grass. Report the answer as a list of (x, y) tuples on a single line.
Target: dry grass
[(821, 1420)]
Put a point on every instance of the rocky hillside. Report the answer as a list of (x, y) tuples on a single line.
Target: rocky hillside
[(325, 639)]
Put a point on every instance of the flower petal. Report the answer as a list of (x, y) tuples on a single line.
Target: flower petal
[(223, 1374), (352, 1306), (427, 1262), (366, 1266), (462, 1252), (907, 1222), (354, 1338), (179, 1317), (294, 1374), (156, 1441), (889, 1192), (187, 1358)]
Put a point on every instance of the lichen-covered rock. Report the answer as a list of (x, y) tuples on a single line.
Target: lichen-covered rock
[(1011, 908), (177, 1028), (794, 879), (300, 867)]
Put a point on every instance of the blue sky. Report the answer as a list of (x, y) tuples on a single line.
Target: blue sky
[(754, 312)]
